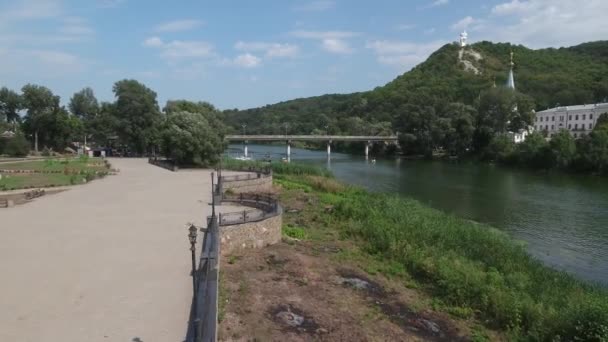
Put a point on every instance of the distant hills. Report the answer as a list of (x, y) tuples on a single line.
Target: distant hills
[(564, 76)]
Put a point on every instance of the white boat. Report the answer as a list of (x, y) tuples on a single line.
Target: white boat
[(243, 158)]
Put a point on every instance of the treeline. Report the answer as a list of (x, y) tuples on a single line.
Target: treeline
[(189, 132), (440, 105), (588, 154)]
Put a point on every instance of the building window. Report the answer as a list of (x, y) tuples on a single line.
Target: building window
[(575, 127), (590, 126), (590, 116), (569, 117), (584, 117), (537, 119), (561, 118), (569, 126), (575, 135), (541, 119), (552, 127), (577, 117), (553, 118), (547, 127)]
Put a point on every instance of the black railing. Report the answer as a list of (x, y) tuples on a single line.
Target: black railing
[(266, 206), (253, 174), (205, 304)]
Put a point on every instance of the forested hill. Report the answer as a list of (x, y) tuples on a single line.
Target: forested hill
[(563, 76)]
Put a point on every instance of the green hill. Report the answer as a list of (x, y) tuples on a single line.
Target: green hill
[(564, 76)]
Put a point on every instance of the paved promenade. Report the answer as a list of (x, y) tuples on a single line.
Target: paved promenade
[(107, 261)]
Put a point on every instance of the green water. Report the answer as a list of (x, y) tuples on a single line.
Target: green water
[(562, 218)]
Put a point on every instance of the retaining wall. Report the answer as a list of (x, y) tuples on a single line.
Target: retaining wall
[(255, 185), (251, 235)]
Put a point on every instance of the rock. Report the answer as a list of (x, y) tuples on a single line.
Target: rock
[(290, 318), (322, 331)]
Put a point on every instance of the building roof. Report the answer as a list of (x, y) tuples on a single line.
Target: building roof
[(7, 134), (600, 106)]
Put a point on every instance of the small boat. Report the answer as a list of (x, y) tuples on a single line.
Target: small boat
[(243, 158)]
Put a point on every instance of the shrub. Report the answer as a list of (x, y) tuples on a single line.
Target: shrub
[(17, 146), (295, 232)]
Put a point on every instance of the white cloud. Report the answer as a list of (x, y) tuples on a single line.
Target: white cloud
[(270, 50), (179, 49), (316, 6), (463, 23), (179, 25), (331, 41), (109, 3), (404, 27), (324, 34), (544, 23), (247, 61), (338, 46), (153, 42), (439, 3), (403, 55), (31, 9)]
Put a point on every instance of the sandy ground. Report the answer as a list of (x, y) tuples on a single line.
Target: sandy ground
[(108, 261)]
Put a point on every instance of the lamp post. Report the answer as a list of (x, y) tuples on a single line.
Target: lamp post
[(192, 237), (244, 141)]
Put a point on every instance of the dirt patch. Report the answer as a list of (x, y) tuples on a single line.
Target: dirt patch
[(285, 293), (294, 319)]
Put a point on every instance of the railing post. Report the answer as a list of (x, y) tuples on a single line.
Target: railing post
[(244, 216)]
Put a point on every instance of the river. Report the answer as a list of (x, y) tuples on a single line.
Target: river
[(562, 218)]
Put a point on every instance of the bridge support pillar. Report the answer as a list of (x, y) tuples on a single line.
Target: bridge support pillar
[(245, 152), (329, 149), (289, 151), (367, 150)]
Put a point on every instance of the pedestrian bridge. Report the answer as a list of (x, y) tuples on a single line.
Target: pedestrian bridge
[(330, 138), (368, 139)]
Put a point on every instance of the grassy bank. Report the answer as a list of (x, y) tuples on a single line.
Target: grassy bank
[(471, 270), (51, 173)]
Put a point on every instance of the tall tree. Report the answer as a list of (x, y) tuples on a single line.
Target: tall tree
[(10, 105), (188, 138), (138, 114), (39, 102), (83, 104)]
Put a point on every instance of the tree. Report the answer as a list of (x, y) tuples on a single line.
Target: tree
[(138, 114), (39, 102), (593, 152), (104, 125), (10, 105), (602, 122), (534, 151), (563, 149), (83, 104), (188, 138), (500, 148)]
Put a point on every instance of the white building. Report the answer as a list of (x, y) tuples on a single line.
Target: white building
[(464, 36), (579, 120)]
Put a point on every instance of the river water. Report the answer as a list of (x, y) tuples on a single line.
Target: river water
[(562, 218)]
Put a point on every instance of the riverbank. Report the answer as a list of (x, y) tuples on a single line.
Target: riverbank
[(470, 270)]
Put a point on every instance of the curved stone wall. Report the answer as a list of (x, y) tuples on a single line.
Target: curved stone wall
[(251, 235), (260, 183)]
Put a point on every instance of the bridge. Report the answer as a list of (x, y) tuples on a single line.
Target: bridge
[(369, 139)]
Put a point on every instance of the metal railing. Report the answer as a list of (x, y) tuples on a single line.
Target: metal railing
[(266, 206), (253, 174), (205, 304)]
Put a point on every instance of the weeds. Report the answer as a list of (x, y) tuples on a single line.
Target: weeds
[(470, 269)]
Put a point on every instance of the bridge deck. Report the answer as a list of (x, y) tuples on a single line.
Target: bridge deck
[(309, 138)]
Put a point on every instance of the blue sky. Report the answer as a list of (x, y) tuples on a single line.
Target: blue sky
[(241, 54)]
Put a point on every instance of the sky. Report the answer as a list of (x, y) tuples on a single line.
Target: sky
[(245, 53)]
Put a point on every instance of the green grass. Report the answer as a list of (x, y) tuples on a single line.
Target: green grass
[(295, 232), (71, 172), (469, 269), (278, 168)]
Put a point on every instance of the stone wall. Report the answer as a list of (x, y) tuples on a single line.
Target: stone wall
[(255, 185), (251, 235)]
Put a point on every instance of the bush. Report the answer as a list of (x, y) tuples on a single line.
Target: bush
[(17, 146)]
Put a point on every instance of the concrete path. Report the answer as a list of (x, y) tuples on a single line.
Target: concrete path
[(107, 261)]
